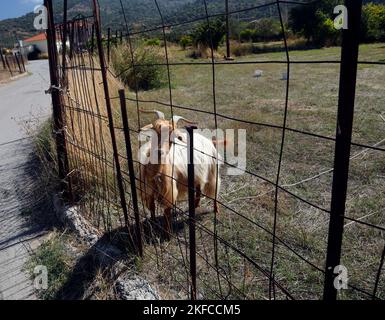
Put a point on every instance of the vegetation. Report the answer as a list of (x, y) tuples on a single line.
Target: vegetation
[(209, 34), (311, 21), (266, 29), (153, 42), (146, 74), (53, 255), (186, 41), (313, 97), (373, 22), (315, 22)]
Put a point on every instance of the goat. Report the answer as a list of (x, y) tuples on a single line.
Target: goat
[(167, 182)]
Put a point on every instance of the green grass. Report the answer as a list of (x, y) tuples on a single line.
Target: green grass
[(52, 254)]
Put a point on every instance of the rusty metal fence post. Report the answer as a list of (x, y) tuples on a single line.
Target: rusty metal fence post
[(8, 65), (191, 203), (18, 63), (57, 106), (131, 171), (108, 46), (103, 67), (2, 58), (22, 62), (228, 50), (347, 89)]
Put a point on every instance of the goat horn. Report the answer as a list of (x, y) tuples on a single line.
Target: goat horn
[(158, 113), (176, 119)]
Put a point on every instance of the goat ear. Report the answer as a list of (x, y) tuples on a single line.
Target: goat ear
[(148, 127)]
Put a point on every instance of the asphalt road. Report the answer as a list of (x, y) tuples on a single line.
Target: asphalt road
[(22, 102)]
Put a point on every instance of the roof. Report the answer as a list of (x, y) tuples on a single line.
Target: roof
[(38, 37)]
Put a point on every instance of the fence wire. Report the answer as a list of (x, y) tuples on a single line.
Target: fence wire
[(255, 247)]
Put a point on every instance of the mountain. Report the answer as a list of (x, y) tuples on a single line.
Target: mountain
[(140, 13), (143, 11)]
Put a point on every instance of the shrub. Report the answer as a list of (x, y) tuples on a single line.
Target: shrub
[(246, 35), (205, 34), (373, 22), (326, 33), (148, 73), (239, 50), (153, 42), (185, 41), (266, 29), (53, 255)]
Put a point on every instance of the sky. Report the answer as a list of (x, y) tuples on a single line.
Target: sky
[(16, 8)]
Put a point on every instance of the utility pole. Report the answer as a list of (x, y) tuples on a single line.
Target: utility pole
[(228, 49)]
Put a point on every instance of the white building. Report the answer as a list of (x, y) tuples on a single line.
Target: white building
[(39, 41)]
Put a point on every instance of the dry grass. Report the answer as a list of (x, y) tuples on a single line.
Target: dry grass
[(312, 107), (5, 76)]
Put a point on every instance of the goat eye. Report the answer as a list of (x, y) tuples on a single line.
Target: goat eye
[(180, 138)]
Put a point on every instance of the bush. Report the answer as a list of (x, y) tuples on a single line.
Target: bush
[(205, 34), (373, 22), (327, 34), (185, 41), (239, 50), (53, 255), (266, 29), (148, 73), (246, 35), (153, 42)]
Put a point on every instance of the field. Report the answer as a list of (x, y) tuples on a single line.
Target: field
[(246, 218)]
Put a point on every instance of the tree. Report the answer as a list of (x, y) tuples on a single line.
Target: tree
[(373, 22), (267, 29), (185, 41), (246, 35), (207, 34), (309, 20)]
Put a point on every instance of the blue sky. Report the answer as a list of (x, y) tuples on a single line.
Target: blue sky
[(16, 8)]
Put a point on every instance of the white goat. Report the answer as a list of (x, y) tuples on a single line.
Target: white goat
[(166, 181)]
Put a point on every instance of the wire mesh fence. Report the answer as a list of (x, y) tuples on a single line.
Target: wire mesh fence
[(275, 232), (12, 63)]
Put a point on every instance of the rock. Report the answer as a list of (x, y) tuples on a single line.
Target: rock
[(258, 73), (72, 219), (135, 289)]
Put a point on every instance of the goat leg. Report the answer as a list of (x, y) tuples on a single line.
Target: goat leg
[(216, 207), (168, 221), (198, 197), (152, 210)]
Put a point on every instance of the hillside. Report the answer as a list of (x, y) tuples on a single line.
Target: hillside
[(138, 12), (143, 11)]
